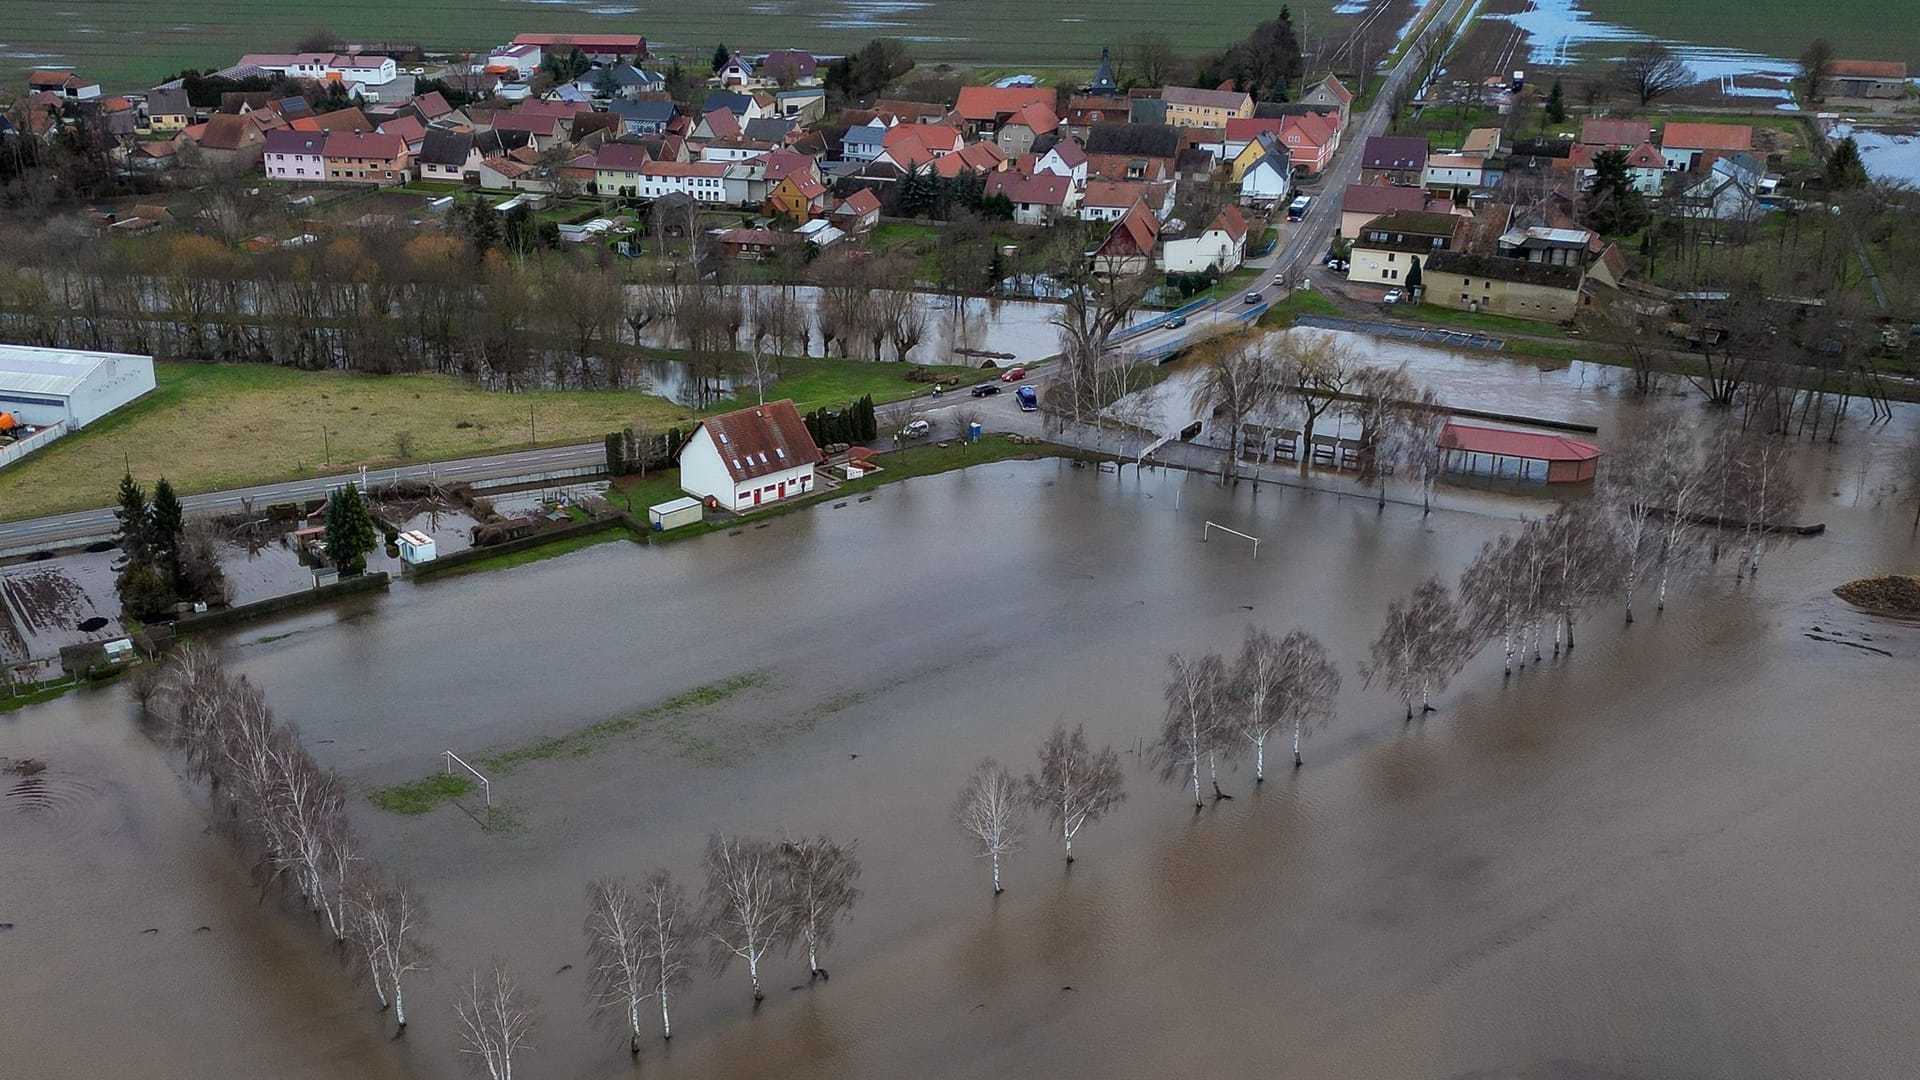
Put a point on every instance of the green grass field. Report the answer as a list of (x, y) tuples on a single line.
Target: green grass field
[(129, 44), (1857, 29)]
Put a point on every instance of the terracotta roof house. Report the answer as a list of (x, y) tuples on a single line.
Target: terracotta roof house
[(348, 120), (749, 457), (1016, 134), (409, 128), (1362, 203), (1401, 159), (66, 84), (1036, 200), (1333, 93), (1221, 246), (1084, 111), (1109, 200), (857, 212), (432, 106), (1129, 246), (1311, 142), (617, 167), (366, 157), (1623, 134), (226, 141), (1688, 147), (982, 109), (980, 157)]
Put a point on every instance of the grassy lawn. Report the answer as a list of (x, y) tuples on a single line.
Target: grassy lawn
[(1303, 302), (1436, 315), (212, 426)]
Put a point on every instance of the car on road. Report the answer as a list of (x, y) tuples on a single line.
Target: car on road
[(1393, 296), (1029, 401), (1255, 298), (985, 390), (916, 429), (1014, 374), (1176, 322)]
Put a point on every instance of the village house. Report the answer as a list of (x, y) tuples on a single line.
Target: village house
[(1865, 79), (1729, 191), (735, 148), (168, 110), (1331, 93), (1109, 200), (744, 243), (1239, 141), (864, 142), (982, 109), (979, 157), (409, 128), (1221, 246), (1190, 108), (345, 68), (858, 212), (1449, 172), (1646, 167), (365, 157), (704, 181), (1361, 203), (1016, 134), (1311, 142), (617, 167), (1553, 245), (1132, 151), (736, 73), (1037, 200), (799, 196), (1129, 246), (1391, 244), (599, 48), (790, 67), (643, 117), (452, 157), (294, 155), (1269, 180), (1608, 134), (749, 457), (1064, 158), (1395, 159), (1086, 110), (1694, 147), (225, 142), (67, 85), (1511, 287)]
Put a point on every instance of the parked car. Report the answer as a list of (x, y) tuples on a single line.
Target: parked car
[(1014, 374), (916, 429), (986, 390), (1393, 296), (1176, 322), (1029, 401), (1255, 298)]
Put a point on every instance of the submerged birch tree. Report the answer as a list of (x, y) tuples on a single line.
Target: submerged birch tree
[(817, 875), (1076, 785), (742, 903), (385, 917), (616, 939), (989, 812), (1192, 731), (495, 1019)]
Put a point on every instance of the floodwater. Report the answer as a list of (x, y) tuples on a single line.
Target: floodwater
[(1561, 32), (1888, 155), (1686, 851)]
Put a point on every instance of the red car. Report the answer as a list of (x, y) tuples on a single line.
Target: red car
[(1014, 374)]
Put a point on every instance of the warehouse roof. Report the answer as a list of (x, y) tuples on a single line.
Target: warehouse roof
[(25, 369)]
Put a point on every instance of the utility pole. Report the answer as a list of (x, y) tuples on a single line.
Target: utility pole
[(531, 437)]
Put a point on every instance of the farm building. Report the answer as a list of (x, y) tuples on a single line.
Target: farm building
[(42, 387), (1865, 79), (749, 457)]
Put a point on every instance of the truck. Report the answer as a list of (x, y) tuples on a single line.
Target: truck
[(1029, 401)]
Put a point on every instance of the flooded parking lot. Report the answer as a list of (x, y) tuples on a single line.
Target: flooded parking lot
[(1682, 852)]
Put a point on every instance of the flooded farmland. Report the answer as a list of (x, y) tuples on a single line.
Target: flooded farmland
[(1685, 851)]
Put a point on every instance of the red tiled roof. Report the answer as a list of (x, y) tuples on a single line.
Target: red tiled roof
[(1135, 233), (623, 157), (344, 120), (1516, 444), (1212, 99), (1047, 189), (1646, 157), (1249, 128), (1339, 89), (225, 132), (409, 128), (761, 439), (1621, 133), (1037, 116), (432, 105), (722, 123), (1112, 194), (781, 162), (1381, 199), (977, 103), (1070, 153), (1231, 222), (860, 203), (1727, 137), (626, 43), (371, 144), (1868, 69), (1312, 128)]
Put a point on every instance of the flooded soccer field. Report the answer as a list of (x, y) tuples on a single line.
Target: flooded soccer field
[(1684, 851)]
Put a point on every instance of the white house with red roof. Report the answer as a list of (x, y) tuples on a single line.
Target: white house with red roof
[(982, 109), (1222, 245), (64, 84), (749, 457), (1311, 141), (1064, 158), (1037, 200)]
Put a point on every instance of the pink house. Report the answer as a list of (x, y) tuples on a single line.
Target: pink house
[(294, 155)]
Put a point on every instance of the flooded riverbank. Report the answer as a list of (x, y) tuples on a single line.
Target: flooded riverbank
[(1680, 846)]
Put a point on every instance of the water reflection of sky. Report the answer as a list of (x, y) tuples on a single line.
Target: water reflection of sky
[(1887, 156), (1557, 30)]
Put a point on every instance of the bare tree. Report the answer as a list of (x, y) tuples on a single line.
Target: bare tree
[(665, 963), (1756, 493), (1377, 406), (1423, 450), (1237, 380), (495, 1019), (1421, 648), (1650, 70), (1582, 559), (616, 930), (385, 916), (817, 875), (989, 813), (1316, 372), (1193, 729), (1076, 785), (1650, 489), (1277, 684), (742, 902)]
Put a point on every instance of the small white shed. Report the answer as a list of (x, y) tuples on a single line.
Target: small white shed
[(675, 513), (417, 547)]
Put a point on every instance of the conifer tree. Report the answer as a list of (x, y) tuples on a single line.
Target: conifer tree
[(349, 530)]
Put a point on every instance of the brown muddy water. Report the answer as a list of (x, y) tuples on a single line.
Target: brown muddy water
[(1688, 852)]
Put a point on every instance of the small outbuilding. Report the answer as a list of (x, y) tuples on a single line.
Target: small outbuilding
[(74, 387), (674, 513), (417, 547), (1518, 455), (749, 457)]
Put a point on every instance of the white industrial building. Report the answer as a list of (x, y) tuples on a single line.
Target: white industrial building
[(750, 457), (42, 387)]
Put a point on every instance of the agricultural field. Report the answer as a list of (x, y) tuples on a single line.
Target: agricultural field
[(213, 426), (1864, 29), (130, 43)]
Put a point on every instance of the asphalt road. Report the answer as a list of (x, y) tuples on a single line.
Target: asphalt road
[(1304, 245)]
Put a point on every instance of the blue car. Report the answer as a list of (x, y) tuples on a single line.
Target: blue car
[(1029, 401)]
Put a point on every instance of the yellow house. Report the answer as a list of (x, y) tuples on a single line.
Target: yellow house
[(1501, 286), (1191, 108), (798, 196), (168, 111)]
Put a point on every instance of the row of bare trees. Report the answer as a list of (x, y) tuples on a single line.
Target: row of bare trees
[(289, 813), (1074, 786)]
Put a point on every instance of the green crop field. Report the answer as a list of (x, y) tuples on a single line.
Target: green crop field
[(1858, 29), (129, 44)]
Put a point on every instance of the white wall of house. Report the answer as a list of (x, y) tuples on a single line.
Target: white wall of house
[(703, 474), (295, 166), (1371, 266), (1050, 163), (1194, 254), (712, 189), (1454, 175), (1265, 184)]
